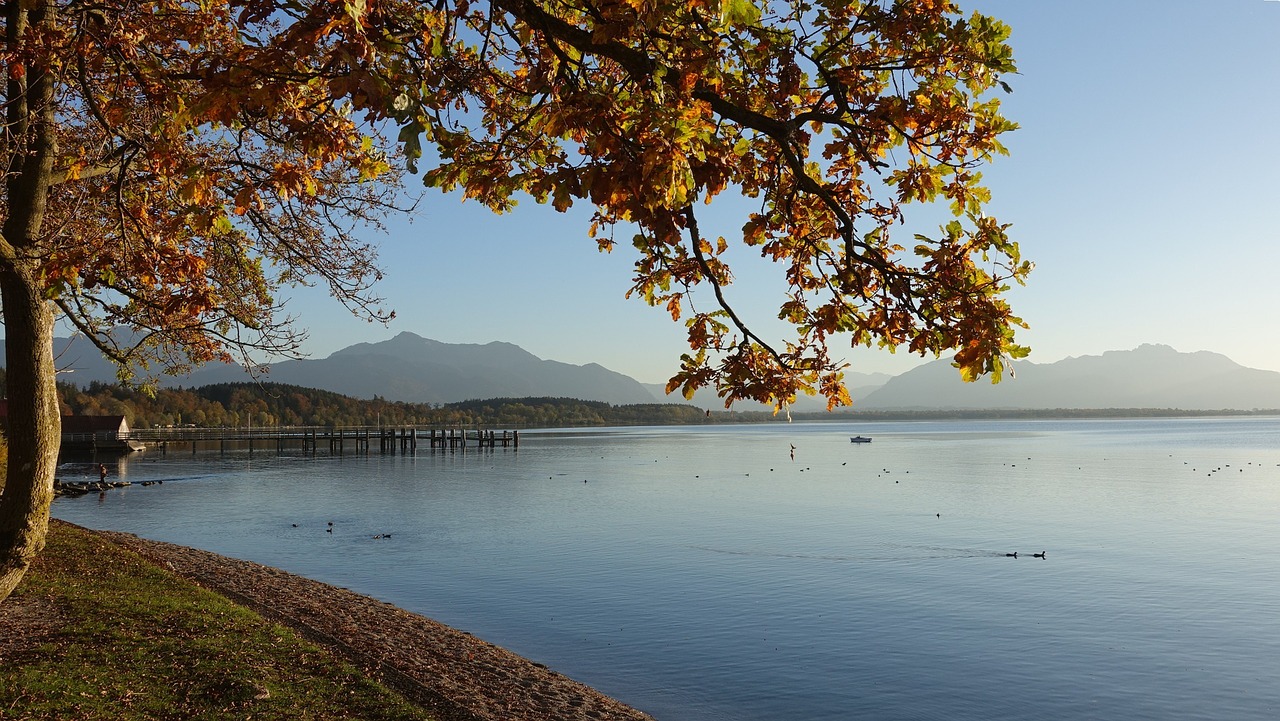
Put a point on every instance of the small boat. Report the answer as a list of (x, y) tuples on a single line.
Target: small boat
[(859, 439)]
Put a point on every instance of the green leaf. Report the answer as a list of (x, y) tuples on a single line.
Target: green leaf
[(222, 223), (739, 12), (355, 9)]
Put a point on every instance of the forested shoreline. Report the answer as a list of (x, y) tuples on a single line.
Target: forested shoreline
[(276, 404)]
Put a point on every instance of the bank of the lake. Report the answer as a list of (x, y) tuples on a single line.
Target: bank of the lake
[(112, 626)]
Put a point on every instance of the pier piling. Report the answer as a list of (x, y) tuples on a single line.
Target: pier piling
[(340, 439)]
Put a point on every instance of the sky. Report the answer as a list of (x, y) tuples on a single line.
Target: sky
[(1143, 183)]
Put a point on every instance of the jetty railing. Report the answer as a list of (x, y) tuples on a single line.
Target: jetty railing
[(338, 439)]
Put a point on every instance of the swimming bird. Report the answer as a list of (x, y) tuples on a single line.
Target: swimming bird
[(1011, 555), (1039, 555)]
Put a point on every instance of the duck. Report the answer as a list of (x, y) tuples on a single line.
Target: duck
[(1011, 555), (1039, 555)]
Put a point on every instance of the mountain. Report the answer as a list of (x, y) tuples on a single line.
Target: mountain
[(78, 361), (1150, 376), (411, 368), (408, 368)]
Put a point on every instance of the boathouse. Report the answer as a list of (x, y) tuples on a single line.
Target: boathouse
[(97, 433), (88, 433)]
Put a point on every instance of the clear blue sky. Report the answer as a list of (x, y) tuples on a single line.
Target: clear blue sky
[(1142, 183)]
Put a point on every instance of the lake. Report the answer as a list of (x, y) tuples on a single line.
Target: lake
[(705, 574)]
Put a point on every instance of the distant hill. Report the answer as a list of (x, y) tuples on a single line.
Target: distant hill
[(411, 368), (1150, 376), (407, 368)]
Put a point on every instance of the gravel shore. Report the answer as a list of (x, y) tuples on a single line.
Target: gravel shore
[(457, 676)]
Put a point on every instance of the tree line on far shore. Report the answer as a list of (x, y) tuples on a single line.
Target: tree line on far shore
[(277, 404)]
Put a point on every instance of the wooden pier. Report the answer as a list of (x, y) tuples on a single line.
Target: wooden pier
[(338, 439)]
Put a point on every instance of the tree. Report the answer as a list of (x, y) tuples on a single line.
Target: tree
[(170, 165)]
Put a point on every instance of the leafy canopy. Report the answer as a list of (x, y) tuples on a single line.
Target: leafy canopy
[(835, 116), (178, 163), (210, 152)]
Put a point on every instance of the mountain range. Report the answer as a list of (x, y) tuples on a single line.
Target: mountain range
[(1149, 376), (414, 369), (406, 368)]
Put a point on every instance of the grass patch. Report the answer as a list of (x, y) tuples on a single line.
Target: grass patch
[(124, 639)]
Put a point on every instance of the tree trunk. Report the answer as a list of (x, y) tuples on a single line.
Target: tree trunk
[(35, 427)]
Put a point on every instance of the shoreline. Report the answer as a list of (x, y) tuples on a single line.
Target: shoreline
[(449, 672)]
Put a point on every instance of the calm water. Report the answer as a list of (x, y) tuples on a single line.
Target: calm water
[(703, 574)]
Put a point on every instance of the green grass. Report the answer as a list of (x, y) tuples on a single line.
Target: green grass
[(137, 642)]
